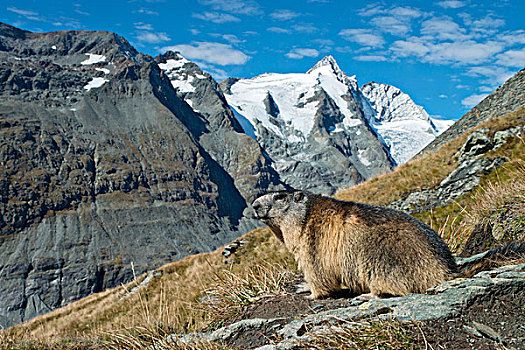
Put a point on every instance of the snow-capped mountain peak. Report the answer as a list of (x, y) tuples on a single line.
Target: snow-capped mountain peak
[(327, 61), (319, 129), (405, 127), (328, 65)]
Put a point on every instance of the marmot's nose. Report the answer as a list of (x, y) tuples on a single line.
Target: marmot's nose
[(256, 206)]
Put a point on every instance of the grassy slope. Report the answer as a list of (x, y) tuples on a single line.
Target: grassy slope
[(173, 301), (170, 302)]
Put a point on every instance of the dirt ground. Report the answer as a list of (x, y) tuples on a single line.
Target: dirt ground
[(504, 313)]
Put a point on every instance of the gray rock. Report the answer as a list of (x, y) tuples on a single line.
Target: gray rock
[(461, 180), (502, 136), (486, 331), (477, 143)]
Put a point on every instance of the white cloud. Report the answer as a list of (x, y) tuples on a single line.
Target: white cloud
[(217, 73), (443, 96), (300, 53), (399, 11), (492, 75), (323, 42), (513, 37), (411, 47), (370, 58), (370, 10), (152, 38), (407, 12), (512, 58), (211, 52), (22, 12), (216, 17), (488, 22), (228, 37), (284, 15), (486, 88), (83, 13), (278, 30), (148, 12), (443, 28), (460, 86), (473, 100), (305, 28), (143, 26), (244, 7), (451, 4), (392, 25), (363, 37), (467, 52), (232, 38), (325, 45), (194, 31)]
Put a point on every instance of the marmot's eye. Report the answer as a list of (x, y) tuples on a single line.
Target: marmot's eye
[(279, 196)]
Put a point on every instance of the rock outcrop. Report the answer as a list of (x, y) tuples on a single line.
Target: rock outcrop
[(441, 304), (471, 166)]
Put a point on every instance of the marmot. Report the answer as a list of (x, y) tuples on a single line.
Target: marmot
[(372, 250)]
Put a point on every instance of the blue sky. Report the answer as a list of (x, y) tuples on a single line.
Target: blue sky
[(447, 54)]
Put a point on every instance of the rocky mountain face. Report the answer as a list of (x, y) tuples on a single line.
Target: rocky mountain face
[(103, 163), (507, 98), (323, 132), (223, 137)]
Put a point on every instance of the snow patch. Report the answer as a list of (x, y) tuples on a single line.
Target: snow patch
[(362, 158), (402, 125), (95, 83), (173, 64), (405, 137), (293, 95), (181, 84), (93, 58), (54, 47), (103, 70), (442, 124)]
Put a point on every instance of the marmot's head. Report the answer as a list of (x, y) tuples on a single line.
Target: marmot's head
[(280, 208)]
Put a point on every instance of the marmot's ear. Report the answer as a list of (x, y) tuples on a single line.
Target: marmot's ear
[(298, 196)]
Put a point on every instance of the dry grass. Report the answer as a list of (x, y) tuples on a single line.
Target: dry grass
[(495, 200), (456, 221), (498, 202), (364, 335), (143, 338), (232, 292), (11, 339), (452, 229)]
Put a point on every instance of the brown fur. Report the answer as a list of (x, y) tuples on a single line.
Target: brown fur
[(368, 249)]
